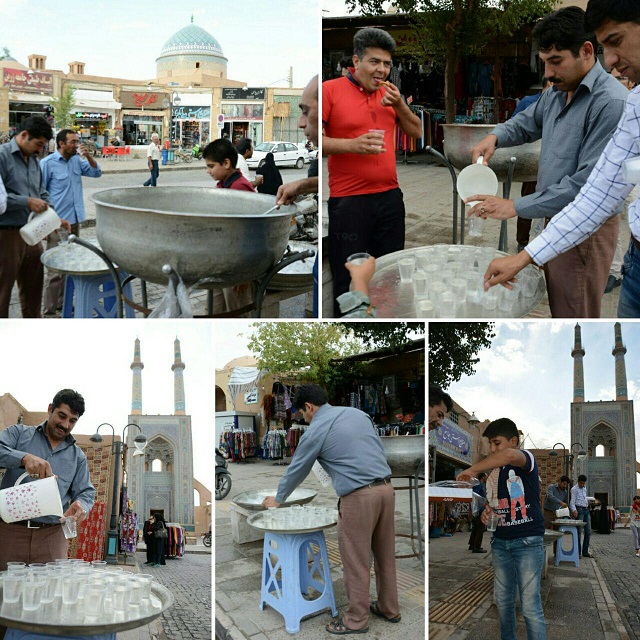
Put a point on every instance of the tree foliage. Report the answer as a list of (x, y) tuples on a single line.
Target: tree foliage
[(63, 106), (447, 30), (453, 348), (384, 335), (6, 54)]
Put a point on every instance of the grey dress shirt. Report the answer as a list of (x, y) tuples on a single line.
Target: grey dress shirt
[(347, 446), (21, 181), (67, 461), (573, 137), (554, 497)]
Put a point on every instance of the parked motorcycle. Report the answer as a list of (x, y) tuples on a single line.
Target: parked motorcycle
[(206, 538), (197, 151), (223, 477)]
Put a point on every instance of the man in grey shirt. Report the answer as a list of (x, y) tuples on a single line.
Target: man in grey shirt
[(557, 497), (343, 440), (46, 450), (575, 120)]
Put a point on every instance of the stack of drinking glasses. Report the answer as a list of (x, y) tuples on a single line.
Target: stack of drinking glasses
[(448, 282), (91, 591), (297, 518)]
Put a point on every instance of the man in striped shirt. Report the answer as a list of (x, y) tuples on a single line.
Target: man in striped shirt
[(616, 24), (579, 506)]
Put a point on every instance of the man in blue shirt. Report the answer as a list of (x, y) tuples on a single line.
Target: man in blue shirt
[(62, 173)]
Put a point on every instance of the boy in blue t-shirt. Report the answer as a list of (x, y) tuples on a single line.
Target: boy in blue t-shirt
[(517, 543)]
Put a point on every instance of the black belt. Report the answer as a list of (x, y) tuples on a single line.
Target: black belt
[(11, 227), (636, 242), (375, 483), (32, 524)]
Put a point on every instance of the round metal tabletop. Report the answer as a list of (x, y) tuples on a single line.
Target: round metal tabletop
[(395, 299), (568, 523), (252, 500), (57, 620), (324, 519), (72, 259)]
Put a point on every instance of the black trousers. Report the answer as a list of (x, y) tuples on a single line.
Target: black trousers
[(372, 222), (477, 531)]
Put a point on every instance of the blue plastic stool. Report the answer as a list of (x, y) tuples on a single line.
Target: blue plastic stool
[(573, 555), (300, 567), (95, 296)]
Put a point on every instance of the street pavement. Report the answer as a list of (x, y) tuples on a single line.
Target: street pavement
[(428, 196), (189, 579), (238, 569), (133, 172), (596, 601)]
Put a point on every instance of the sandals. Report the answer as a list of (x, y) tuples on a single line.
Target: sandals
[(373, 607), (338, 627)]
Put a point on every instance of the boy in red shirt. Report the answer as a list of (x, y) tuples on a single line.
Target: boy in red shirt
[(221, 158)]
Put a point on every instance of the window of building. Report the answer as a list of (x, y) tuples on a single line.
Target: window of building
[(156, 466), (197, 65), (454, 416), (600, 451)]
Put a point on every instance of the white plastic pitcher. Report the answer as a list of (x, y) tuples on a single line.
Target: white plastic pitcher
[(31, 500), (39, 226), (477, 180)]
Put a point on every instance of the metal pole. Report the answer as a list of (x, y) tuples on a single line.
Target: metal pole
[(506, 192), (112, 534), (455, 191)]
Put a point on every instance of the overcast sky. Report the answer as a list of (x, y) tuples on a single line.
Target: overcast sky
[(118, 38), (40, 357), (231, 338), (527, 375)]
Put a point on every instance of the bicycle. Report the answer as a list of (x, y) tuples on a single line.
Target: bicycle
[(180, 156)]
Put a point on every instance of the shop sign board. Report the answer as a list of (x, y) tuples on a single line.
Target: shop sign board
[(85, 115), (192, 113), (220, 121), (453, 441), (243, 111), (142, 99), (21, 80), (251, 397), (240, 93)]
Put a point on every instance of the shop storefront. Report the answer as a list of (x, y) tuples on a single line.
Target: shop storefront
[(193, 125), (29, 92), (243, 111), (142, 116), (92, 125)]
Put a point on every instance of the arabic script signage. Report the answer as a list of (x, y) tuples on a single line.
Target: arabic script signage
[(85, 115), (142, 99), (19, 79), (238, 93), (453, 441), (192, 113)]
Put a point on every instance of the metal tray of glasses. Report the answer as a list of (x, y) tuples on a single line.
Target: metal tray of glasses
[(395, 299), (72, 259), (252, 500), (257, 521), (56, 619)]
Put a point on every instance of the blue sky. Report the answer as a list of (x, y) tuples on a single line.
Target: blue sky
[(119, 38), (527, 375)]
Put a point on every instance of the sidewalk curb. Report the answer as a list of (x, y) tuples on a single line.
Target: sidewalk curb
[(225, 629), (110, 171), (612, 609)]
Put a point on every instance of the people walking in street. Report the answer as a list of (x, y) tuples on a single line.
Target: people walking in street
[(557, 497), (153, 159), (345, 443), (359, 114), (161, 537), (574, 119), (440, 403), (149, 539), (271, 176), (616, 24), (477, 526), (517, 544), (244, 147), (579, 507), (20, 173), (634, 518), (62, 173)]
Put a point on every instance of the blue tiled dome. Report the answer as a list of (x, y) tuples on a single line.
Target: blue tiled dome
[(191, 39)]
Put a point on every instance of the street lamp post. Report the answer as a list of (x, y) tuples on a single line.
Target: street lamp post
[(118, 449), (568, 457), (175, 101)]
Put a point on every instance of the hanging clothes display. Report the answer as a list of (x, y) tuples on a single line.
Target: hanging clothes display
[(293, 437), (175, 541), (274, 444), (240, 444), (128, 532)]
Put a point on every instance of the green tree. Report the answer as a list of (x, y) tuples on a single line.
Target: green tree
[(6, 54), (447, 30), (384, 335), (305, 350), (63, 106), (453, 348)]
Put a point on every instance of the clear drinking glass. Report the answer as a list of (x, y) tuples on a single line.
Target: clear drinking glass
[(32, 594), (407, 267), (420, 282), (447, 305), (459, 290), (12, 585), (425, 308), (120, 596), (71, 588), (94, 600)]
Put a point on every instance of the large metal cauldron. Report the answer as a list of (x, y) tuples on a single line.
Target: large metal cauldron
[(404, 453), (213, 234), (459, 139)]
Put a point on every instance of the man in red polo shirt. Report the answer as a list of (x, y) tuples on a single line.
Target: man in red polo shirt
[(359, 115)]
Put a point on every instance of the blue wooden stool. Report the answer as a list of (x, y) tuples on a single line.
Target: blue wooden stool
[(573, 555), (300, 567), (95, 296)]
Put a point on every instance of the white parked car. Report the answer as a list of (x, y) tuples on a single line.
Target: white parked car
[(286, 154)]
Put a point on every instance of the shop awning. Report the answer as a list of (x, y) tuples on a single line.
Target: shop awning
[(98, 105), (449, 494), (243, 380)]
